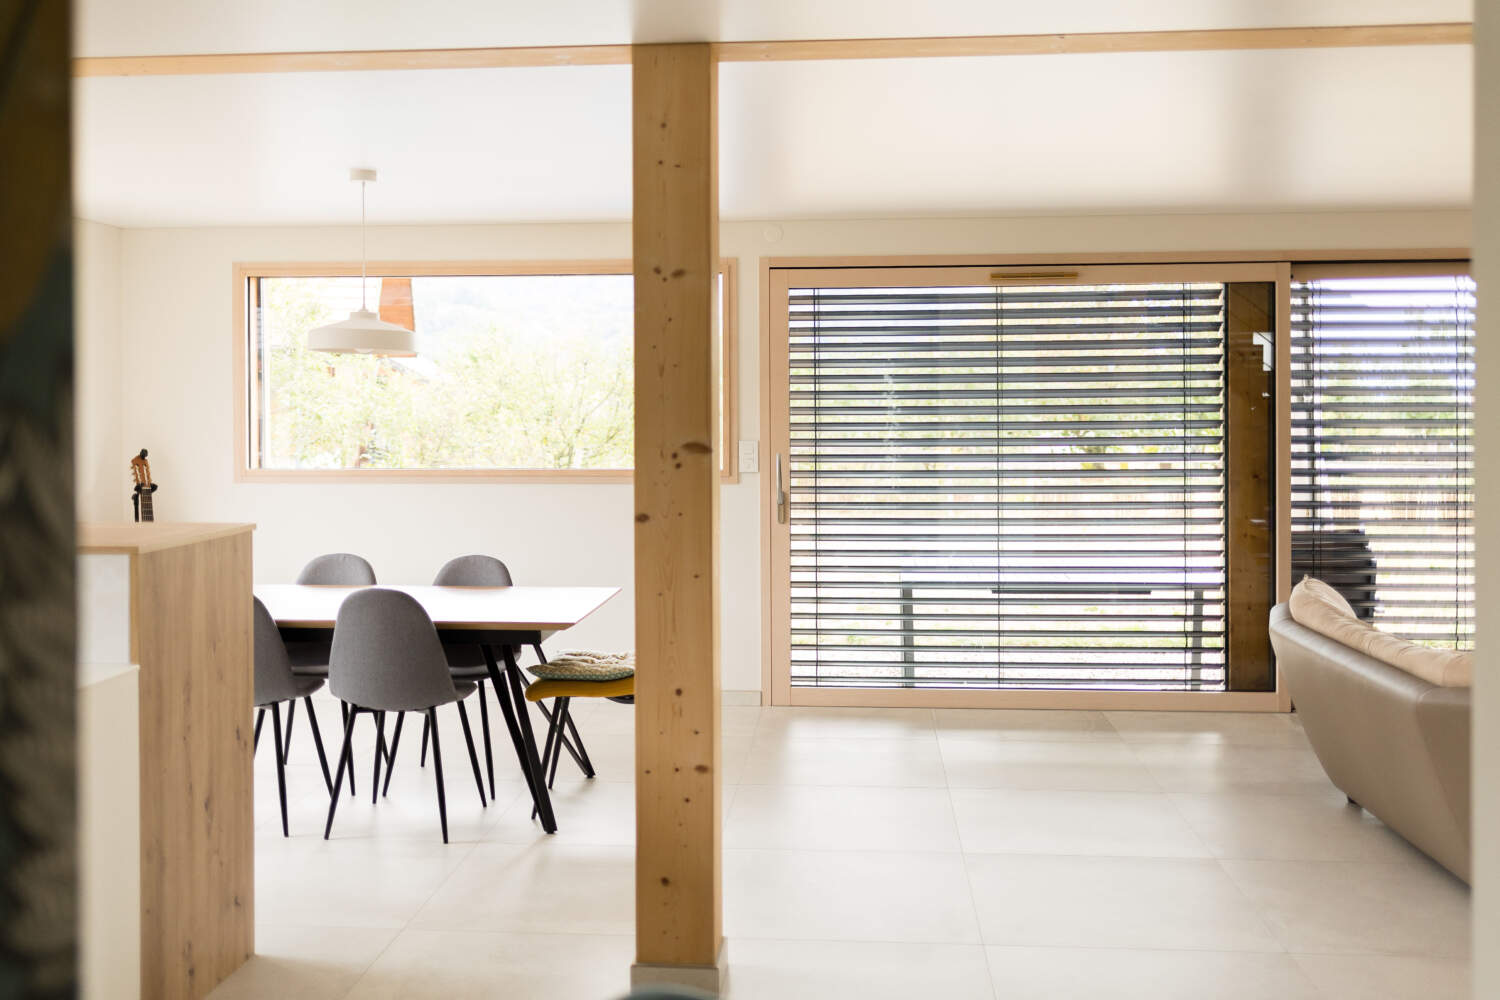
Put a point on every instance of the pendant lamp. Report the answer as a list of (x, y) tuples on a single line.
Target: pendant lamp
[(363, 332)]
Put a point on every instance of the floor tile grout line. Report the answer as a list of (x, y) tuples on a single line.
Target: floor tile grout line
[(371, 964), (1261, 914), (968, 877), (1188, 824), (989, 970)]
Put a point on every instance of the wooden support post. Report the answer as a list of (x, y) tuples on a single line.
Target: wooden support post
[(679, 936), (1249, 455)]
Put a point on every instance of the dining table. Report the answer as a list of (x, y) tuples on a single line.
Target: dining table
[(499, 620)]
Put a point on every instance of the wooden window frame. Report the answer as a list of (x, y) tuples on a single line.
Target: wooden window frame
[(1277, 267), (242, 346)]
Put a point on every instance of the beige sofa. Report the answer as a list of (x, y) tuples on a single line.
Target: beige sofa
[(1394, 743)]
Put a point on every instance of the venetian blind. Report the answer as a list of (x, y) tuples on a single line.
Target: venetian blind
[(1008, 486), (1382, 448)]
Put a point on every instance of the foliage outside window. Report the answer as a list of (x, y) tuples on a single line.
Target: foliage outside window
[(515, 372)]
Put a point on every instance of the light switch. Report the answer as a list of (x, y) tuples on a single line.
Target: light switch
[(749, 456)]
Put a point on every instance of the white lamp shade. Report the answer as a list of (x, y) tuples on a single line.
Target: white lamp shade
[(363, 333)]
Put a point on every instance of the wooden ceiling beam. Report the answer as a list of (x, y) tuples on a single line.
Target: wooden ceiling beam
[(1211, 40)]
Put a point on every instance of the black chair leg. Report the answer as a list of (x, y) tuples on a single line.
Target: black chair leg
[(552, 749), (484, 723), (463, 717), (437, 769), (381, 747), (280, 763), (574, 746), (312, 720), (567, 713), (582, 754), (379, 753), (390, 761), (386, 750), (426, 735), (291, 716), (349, 714), (345, 764), (260, 718)]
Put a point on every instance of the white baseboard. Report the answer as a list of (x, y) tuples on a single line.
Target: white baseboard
[(741, 698)]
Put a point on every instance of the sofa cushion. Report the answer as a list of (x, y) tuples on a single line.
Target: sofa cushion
[(1319, 607), (1314, 599)]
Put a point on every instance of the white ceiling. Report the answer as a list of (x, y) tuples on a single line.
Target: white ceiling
[(451, 146), (157, 27), (1200, 131)]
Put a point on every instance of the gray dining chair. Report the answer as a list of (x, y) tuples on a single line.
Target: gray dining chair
[(310, 659), (465, 663), (468, 663), (338, 569), (387, 657), (275, 684)]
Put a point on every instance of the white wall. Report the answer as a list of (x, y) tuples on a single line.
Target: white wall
[(1486, 732), (177, 320), (101, 466)]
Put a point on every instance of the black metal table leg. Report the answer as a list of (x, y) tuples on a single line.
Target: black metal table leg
[(539, 780), (502, 698), (512, 700)]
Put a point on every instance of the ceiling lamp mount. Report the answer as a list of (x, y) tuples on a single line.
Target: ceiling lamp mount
[(363, 332)]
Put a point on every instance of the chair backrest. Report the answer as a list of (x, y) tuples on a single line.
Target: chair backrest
[(274, 680), (338, 569), (386, 654), (470, 571), (473, 571)]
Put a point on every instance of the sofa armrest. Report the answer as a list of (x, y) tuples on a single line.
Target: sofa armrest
[(1443, 715)]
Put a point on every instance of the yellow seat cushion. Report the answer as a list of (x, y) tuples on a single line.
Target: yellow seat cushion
[(618, 688)]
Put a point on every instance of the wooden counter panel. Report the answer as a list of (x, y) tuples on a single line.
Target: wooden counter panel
[(192, 635)]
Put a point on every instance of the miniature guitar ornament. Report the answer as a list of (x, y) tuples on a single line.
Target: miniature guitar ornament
[(140, 472)]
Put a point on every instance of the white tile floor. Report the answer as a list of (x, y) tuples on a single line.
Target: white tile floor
[(873, 854)]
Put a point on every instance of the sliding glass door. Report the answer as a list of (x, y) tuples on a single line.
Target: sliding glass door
[(1383, 443), (991, 480)]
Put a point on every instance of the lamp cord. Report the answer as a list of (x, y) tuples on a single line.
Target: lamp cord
[(363, 250)]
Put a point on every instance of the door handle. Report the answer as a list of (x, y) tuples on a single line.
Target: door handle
[(780, 493)]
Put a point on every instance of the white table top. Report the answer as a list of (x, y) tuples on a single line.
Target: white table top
[(517, 609)]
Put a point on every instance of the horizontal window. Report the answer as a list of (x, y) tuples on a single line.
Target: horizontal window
[(515, 372)]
